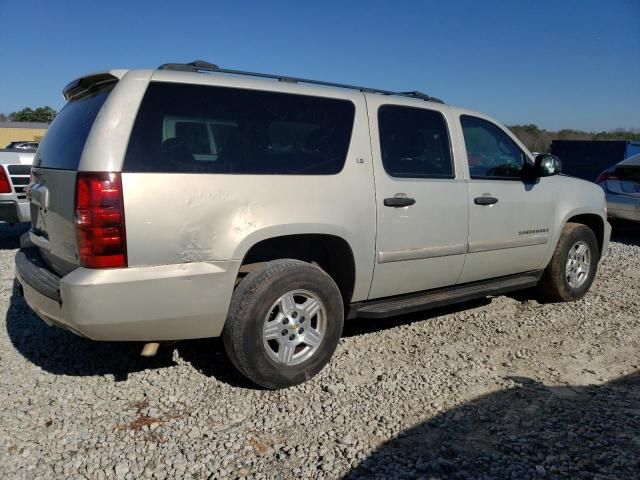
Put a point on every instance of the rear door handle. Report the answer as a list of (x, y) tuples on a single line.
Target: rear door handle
[(485, 200), (399, 201)]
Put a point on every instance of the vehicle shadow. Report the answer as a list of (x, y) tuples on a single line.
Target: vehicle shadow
[(530, 431), (10, 235), (527, 294), (625, 232), (209, 358), (61, 352)]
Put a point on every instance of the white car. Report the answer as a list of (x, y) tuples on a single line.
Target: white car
[(15, 168), (193, 201)]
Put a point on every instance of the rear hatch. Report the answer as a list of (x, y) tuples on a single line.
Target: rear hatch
[(53, 184)]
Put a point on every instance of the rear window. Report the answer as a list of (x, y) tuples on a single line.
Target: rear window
[(628, 173), (193, 128), (64, 141)]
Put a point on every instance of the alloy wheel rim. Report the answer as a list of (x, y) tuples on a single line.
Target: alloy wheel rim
[(578, 264), (294, 327)]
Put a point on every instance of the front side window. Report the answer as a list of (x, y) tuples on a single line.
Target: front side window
[(490, 151), (414, 142), (196, 128)]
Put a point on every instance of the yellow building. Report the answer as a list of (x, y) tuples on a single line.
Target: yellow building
[(21, 131)]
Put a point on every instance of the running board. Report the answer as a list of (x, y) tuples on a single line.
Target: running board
[(414, 302)]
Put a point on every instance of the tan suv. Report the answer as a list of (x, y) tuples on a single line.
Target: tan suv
[(192, 201)]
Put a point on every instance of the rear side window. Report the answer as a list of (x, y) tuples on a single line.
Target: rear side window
[(64, 141), (194, 128), (414, 142)]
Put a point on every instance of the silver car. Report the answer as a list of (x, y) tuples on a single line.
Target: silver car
[(621, 184), (192, 201)]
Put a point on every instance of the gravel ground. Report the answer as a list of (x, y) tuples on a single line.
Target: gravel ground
[(508, 387)]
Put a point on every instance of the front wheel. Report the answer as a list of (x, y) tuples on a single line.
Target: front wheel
[(573, 266), (284, 323)]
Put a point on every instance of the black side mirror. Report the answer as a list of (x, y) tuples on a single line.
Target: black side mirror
[(546, 165)]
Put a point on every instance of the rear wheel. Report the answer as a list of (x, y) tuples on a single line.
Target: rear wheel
[(573, 266), (284, 323)]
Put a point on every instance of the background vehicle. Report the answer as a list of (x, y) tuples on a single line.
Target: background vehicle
[(587, 158), (268, 209), (23, 145), (15, 168), (621, 184)]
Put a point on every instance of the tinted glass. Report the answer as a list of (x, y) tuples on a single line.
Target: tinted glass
[(194, 128), (64, 141), (490, 151), (414, 142), (628, 173)]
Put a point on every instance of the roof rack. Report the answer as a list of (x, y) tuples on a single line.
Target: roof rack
[(202, 66)]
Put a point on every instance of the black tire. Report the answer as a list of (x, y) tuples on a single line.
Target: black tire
[(250, 305), (554, 283)]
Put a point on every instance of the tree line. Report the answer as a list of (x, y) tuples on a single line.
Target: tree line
[(40, 114), (539, 140)]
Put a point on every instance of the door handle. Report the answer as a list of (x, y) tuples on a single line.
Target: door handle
[(399, 201), (484, 201)]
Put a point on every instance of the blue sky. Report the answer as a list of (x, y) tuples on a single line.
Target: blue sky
[(559, 64)]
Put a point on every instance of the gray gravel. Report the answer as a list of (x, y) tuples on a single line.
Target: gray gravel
[(510, 387)]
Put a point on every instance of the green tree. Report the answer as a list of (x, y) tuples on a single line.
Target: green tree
[(40, 114), (535, 138)]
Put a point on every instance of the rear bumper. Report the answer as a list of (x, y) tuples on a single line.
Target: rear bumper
[(623, 207), (167, 302), (14, 212)]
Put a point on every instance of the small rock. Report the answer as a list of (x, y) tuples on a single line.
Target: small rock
[(121, 470)]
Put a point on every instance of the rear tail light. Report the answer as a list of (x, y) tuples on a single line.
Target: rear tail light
[(100, 224), (606, 175), (5, 185)]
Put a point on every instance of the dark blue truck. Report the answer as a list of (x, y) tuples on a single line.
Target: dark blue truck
[(586, 159)]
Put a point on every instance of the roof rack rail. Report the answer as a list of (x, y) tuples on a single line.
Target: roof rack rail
[(420, 95), (202, 66)]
